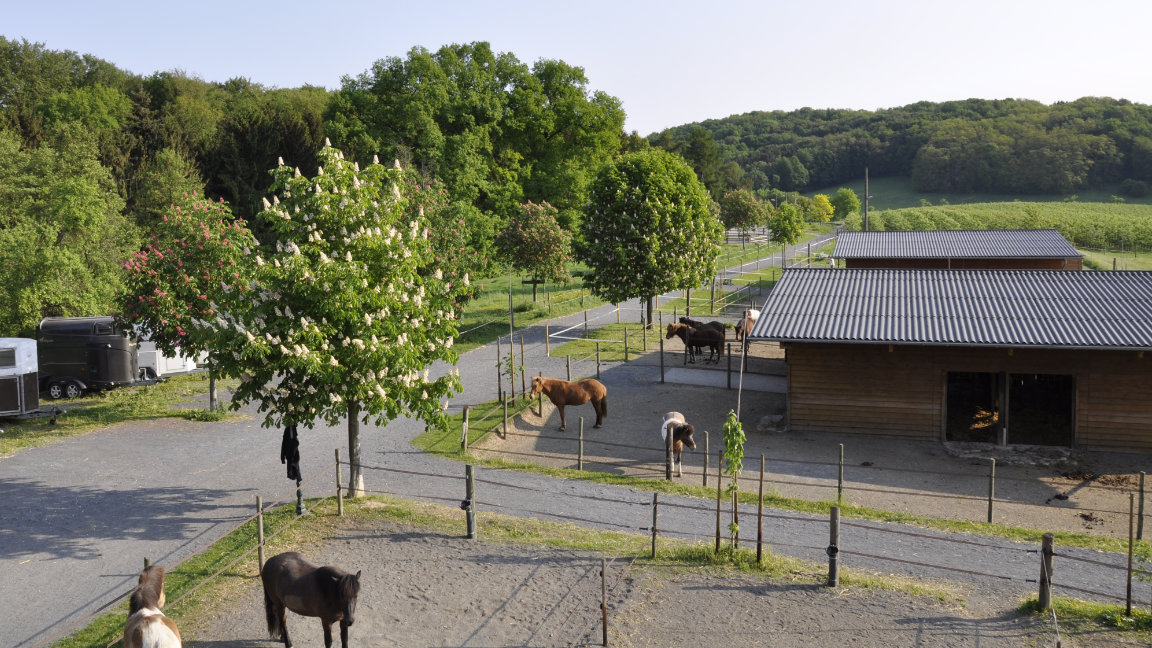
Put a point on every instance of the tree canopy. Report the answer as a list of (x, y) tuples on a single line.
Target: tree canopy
[(649, 228)]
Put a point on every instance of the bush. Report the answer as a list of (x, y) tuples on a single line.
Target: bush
[(1134, 188)]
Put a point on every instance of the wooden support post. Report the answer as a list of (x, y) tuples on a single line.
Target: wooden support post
[(729, 365), (625, 344), (760, 517), (523, 388), (706, 459), (597, 361), (840, 478), (991, 488), (834, 548), (547, 341), (568, 363), (604, 595), (580, 448), (1131, 537), (644, 338), (712, 306), (1140, 510), (540, 397), (661, 358), (469, 503), (260, 531), (585, 323), (464, 432), (655, 510), (339, 494), (617, 313), (504, 425), (668, 455), (499, 378), (1044, 599), (719, 480)]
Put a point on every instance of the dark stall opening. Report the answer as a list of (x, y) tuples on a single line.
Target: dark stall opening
[(973, 414), (1041, 409)]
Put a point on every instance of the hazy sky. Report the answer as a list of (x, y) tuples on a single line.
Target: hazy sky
[(670, 62)]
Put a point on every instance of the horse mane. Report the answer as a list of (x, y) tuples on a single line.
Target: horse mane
[(149, 590), (349, 586)]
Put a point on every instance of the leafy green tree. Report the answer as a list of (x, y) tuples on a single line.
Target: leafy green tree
[(343, 320), (820, 209), (166, 179), (733, 466), (63, 236), (741, 209), (844, 202), (533, 242), (195, 266), (787, 225), (649, 228)]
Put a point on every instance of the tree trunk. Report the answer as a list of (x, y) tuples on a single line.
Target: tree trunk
[(212, 405), (355, 477), (649, 302)]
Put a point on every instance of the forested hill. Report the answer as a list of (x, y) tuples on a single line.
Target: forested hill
[(1008, 146)]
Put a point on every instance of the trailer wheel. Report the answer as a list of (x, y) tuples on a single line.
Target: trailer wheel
[(72, 389), (147, 373), (55, 390)]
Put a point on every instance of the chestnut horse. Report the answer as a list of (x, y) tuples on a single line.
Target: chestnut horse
[(681, 436), (698, 338), (147, 626), (291, 582), (562, 392)]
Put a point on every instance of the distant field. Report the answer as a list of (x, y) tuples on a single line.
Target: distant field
[(897, 192)]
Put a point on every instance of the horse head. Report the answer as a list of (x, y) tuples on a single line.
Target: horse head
[(348, 588), (674, 330), (537, 386), (684, 434)]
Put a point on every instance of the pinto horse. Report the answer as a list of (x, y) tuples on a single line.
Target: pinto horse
[(698, 338), (562, 392), (293, 583), (681, 436), (744, 326), (147, 626)]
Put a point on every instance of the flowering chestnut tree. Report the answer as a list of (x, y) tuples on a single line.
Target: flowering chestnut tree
[(195, 263), (342, 321), (650, 228), (534, 242)]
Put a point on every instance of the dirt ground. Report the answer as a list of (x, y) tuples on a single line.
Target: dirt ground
[(1045, 488), (428, 589)]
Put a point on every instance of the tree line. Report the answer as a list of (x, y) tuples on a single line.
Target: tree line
[(971, 146)]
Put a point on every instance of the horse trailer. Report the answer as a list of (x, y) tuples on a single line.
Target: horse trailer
[(79, 354), (19, 387)]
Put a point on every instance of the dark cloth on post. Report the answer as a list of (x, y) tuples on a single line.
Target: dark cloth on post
[(290, 451)]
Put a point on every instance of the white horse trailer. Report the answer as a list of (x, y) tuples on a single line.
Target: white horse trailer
[(19, 377), (154, 364)]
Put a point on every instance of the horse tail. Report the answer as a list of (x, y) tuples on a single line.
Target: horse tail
[(273, 617), (604, 406)]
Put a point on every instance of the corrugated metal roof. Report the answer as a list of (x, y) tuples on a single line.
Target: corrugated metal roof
[(1036, 308), (955, 244)]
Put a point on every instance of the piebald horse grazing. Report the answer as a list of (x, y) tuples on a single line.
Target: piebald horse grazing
[(147, 626), (293, 583), (562, 392), (681, 436)]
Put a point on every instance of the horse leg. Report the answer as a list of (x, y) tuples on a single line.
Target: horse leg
[(343, 634), (327, 633), (284, 625), (561, 408), (599, 407)]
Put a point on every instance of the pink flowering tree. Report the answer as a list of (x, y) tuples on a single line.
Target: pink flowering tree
[(348, 310), (534, 242), (194, 264)]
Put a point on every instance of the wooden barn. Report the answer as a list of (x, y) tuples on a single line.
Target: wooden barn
[(1000, 356), (1033, 249)]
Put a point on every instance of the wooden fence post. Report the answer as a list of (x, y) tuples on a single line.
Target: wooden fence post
[(661, 359), (260, 531), (834, 548), (840, 477), (719, 481), (464, 431), (499, 378), (729, 365), (469, 503), (1140, 510), (505, 423), (339, 494), (597, 361), (625, 344), (1131, 534), (667, 454), (991, 488), (760, 517), (706, 459), (604, 595), (580, 449), (655, 509), (1044, 599), (547, 341), (523, 387), (568, 362)]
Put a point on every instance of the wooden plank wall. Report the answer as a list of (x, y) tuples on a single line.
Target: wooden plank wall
[(870, 389)]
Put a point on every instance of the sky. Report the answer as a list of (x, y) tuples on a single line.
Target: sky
[(669, 62)]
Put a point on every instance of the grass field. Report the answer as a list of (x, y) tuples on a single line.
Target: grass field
[(898, 192)]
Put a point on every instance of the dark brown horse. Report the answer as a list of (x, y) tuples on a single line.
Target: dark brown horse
[(698, 338), (562, 392), (291, 582), (147, 626), (697, 324), (681, 436)]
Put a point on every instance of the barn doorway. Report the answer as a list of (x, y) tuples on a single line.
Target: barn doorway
[(973, 411), (1040, 408)]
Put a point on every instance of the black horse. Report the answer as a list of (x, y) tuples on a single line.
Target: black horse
[(291, 582), (694, 338)]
